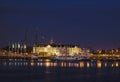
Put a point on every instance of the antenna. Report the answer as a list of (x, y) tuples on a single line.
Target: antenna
[(51, 41), (36, 36), (25, 40)]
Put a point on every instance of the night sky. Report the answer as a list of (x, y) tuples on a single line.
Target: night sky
[(92, 24)]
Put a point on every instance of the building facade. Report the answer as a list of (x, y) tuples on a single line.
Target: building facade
[(45, 50)]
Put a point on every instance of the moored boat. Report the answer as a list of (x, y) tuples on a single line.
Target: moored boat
[(68, 58), (35, 56)]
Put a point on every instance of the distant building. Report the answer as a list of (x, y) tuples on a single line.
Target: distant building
[(47, 50)]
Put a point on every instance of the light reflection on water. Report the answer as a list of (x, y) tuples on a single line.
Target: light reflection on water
[(47, 63), (99, 64), (63, 71), (88, 64)]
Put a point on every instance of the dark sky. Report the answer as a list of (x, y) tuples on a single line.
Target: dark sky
[(89, 23)]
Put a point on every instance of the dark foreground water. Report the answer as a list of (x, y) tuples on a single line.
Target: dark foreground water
[(49, 71)]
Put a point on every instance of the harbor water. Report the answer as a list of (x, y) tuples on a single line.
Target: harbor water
[(45, 70)]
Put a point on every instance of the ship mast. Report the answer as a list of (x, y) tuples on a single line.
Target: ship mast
[(36, 38), (25, 41)]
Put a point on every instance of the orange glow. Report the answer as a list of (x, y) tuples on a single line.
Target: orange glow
[(76, 65), (70, 64), (47, 60), (117, 64), (88, 64), (47, 64), (81, 64), (32, 63), (54, 64), (65, 64), (99, 64), (62, 64)]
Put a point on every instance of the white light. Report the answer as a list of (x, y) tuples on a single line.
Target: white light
[(24, 46), (13, 46), (18, 45)]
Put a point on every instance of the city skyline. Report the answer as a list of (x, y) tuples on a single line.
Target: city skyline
[(91, 24)]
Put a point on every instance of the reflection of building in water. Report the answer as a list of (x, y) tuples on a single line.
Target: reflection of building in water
[(117, 64), (88, 64), (82, 64), (99, 64), (47, 50)]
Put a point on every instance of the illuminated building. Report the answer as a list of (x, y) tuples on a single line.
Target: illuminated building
[(47, 50)]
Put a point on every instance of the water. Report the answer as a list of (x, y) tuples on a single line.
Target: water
[(51, 71)]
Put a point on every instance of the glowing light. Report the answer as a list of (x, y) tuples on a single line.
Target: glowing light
[(88, 64), (99, 64), (81, 64), (112, 65), (38, 64), (48, 46), (117, 64), (70, 64), (25, 46), (18, 45), (105, 64), (62, 64), (54, 64), (41, 64), (47, 60), (32, 63), (13, 46), (47, 64), (76, 65)]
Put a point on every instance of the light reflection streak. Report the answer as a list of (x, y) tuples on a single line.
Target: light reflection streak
[(88, 65), (81, 64), (48, 63), (70, 64), (117, 65), (41, 64), (62, 64), (55, 64), (76, 65), (32, 63), (105, 64), (99, 64), (112, 65), (38, 64)]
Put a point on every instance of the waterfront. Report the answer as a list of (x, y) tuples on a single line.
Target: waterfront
[(44, 70)]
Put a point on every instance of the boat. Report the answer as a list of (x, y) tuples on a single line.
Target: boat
[(35, 56), (67, 58)]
